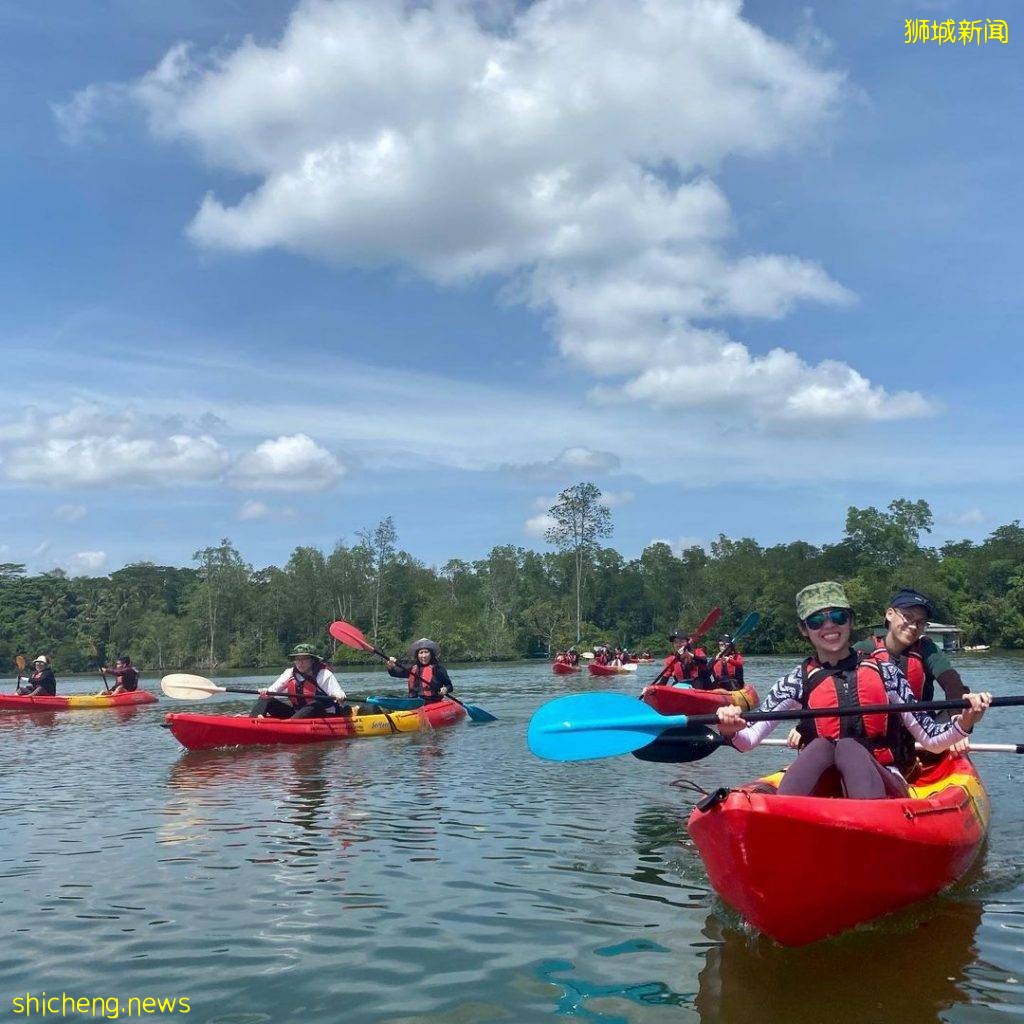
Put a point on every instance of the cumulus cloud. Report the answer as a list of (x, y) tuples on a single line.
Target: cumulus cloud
[(86, 563), (288, 463), (83, 447), (69, 513), (571, 462), (538, 525), (968, 517), (681, 544), (253, 510), (569, 145)]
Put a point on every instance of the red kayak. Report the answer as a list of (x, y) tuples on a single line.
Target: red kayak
[(611, 670), (682, 700), (560, 668), (802, 868), (14, 702), (202, 732)]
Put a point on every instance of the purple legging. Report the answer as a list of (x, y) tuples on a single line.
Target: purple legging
[(863, 778)]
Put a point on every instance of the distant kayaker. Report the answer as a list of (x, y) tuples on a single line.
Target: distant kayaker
[(126, 676), (42, 682), (310, 687), (727, 667), (870, 752), (687, 664), (916, 654), (427, 678), (572, 656)]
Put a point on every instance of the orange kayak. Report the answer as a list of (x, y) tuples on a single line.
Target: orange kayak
[(14, 702)]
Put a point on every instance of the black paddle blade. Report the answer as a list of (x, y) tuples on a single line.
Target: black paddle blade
[(678, 746)]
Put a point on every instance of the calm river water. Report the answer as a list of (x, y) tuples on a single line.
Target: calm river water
[(448, 877)]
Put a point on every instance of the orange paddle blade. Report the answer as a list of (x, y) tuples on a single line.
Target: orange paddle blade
[(347, 634)]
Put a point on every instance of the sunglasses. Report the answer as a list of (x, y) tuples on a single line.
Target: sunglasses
[(837, 616)]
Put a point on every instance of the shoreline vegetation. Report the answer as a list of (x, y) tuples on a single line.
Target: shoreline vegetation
[(224, 614)]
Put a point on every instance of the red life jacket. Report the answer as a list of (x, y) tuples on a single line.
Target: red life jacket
[(301, 691), (420, 679), (675, 669), (883, 735), (727, 667), (911, 664)]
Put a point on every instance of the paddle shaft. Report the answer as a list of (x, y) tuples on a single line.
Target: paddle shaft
[(673, 721), (976, 748)]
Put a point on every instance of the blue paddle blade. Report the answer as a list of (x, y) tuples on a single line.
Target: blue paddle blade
[(589, 725), (397, 703), (475, 714), (748, 625)]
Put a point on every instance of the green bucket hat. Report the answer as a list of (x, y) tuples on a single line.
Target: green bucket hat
[(303, 651), (821, 595)]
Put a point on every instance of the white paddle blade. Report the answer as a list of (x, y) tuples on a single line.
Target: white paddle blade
[(182, 686), (631, 667), (587, 654)]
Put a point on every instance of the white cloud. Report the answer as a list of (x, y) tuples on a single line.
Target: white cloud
[(968, 517), (538, 525), (255, 510), (568, 145), (69, 513), (616, 499), (570, 462), (91, 460), (86, 563), (292, 463), (681, 544)]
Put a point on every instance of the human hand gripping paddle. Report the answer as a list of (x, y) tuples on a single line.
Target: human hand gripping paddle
[(709, 620), (351, 636), (591, 725), (183, 686)]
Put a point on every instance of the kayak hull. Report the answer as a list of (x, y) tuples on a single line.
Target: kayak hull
[(79, 702), (681, 700), (610, 670), (561, 669), (800, 869), (205, 732)]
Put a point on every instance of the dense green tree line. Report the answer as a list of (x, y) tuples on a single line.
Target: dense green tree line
[(513, 603)]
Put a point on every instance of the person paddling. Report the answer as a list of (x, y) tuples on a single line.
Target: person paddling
[(917, 656), (687, 665), (427, 678), (727, 667), (869, 752), (310, 687), (126, 676), (42, 682)]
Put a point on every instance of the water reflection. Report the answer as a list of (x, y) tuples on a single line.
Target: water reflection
[(910, 969)]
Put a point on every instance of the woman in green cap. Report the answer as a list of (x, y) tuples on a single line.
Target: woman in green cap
[(310, 687), (870, 752)]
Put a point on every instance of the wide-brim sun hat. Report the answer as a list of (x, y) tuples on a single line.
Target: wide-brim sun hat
[(42, 659), (423, 644)]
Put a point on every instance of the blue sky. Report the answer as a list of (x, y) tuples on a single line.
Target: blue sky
[(742, 266)]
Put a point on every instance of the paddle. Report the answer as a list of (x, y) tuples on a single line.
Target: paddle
[(589, 725), (748, 625), (709, 620), (106, 687), (19, 661), (182, 686), (352, 636), (694, 743)]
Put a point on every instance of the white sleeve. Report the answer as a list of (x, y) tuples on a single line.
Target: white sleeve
[(783, 696), (328, 682), (278, 685)]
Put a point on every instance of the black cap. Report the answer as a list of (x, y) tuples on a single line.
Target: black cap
[(907, 598), (679, 635), (725, 638)]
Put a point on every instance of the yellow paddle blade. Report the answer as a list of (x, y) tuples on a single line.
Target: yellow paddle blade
[(20, 662), (183, 686)]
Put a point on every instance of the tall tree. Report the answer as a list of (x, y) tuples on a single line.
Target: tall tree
[(381, 542), (579, 520)]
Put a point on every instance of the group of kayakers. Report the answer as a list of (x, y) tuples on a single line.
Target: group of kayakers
[(872, 753), (689, 664), (41, 681), (310, 689), (616, 657), (571, 657)]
